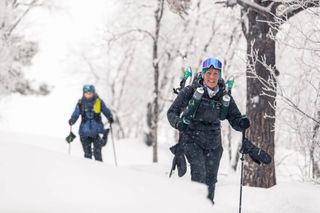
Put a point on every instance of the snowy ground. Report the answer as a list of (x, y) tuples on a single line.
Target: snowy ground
[(37, 175)]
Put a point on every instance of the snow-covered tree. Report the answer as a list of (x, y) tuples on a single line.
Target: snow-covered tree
[(159, 46), (16, 51), (261, 21)]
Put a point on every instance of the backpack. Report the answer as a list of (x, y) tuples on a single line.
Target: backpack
[(197, 82), (96, 110)]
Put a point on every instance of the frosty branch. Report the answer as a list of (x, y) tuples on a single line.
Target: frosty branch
[(270, 86)]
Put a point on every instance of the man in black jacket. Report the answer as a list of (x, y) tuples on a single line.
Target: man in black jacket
[(200, 138)]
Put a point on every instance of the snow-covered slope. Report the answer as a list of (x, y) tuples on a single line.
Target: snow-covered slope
[(37, 180), (37, 176)]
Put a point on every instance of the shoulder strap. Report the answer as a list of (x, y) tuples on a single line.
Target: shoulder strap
[(97, 106), (82, 109), (188, 92)]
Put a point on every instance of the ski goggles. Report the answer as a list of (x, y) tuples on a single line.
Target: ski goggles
[(88, 88), (211, 62)]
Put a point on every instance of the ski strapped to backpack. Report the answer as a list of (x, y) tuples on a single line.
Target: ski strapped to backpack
[(96, 110), (186, 80)]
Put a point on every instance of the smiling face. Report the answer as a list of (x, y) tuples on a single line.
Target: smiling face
[(88, 95), (211, 78)]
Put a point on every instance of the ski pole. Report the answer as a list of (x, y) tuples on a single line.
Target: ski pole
[(69, 146), (69, 149), (171, 171), (114, 147), (241, 174)]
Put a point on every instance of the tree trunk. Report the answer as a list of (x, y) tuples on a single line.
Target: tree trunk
[(261, 131), (148, 135), (154, 130), (155, 113), (314, 150)]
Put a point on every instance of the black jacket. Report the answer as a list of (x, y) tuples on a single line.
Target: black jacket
[(205, 128)]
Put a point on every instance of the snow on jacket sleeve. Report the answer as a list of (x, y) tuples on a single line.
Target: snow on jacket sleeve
[(179, 104), (234, 115), (75, 115), (105, 110)]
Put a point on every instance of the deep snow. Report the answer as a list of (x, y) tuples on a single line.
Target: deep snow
[(37, 180), (37, 175)]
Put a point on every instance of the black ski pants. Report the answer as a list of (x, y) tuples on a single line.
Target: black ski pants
[(204, 165), (87, 143)]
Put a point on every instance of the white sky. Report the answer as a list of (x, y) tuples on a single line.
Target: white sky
[(61, 34)]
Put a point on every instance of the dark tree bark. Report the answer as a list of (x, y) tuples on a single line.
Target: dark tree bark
[(260, 48), (148, 135), (263, 21), (261, 130)]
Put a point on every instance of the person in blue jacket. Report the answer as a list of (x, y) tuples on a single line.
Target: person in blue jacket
[(90, 107)]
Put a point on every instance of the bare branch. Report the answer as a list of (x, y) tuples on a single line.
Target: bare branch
[(91, 67), (30, 6), (270, 86), (161, 9), (265, 11), (291, 9), (123, 34)]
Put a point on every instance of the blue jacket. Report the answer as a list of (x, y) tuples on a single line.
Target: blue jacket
[(91, 123)]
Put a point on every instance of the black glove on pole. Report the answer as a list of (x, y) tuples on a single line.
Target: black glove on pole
[(257, 154), (69, 139), (105, 137), (179, 160), (71, 136), (244, 122), (111, 120)]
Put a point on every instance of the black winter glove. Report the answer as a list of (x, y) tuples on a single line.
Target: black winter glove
[(70, 137), (256, 154), (111, 120), (181, 126), (70, 122), (244, 122), (105, 137), (179, 160)]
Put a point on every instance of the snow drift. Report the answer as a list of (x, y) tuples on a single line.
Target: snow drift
[(37, 179)]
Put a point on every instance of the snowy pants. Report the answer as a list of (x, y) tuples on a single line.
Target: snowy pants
[(204, 165), (87, 147)]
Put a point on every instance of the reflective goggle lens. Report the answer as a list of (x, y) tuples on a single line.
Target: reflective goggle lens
[(87, 88), (212, 62)]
